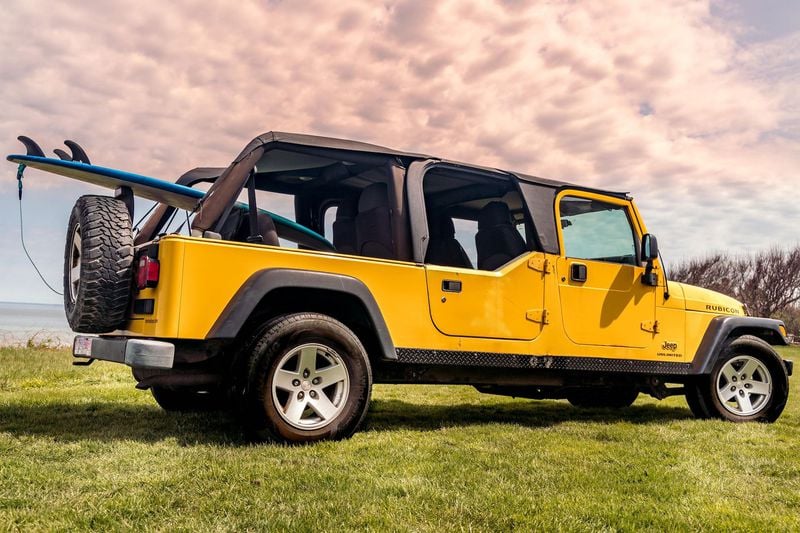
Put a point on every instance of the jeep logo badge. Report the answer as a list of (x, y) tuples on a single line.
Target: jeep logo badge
[(669, 346)]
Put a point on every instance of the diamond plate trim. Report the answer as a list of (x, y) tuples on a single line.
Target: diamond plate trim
[(548, 362)]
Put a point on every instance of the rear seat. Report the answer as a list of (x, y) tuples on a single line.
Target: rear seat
[(237, 228)]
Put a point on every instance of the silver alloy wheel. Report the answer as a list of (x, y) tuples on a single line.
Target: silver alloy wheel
[(75, 263), (310, 386), (744, 385)]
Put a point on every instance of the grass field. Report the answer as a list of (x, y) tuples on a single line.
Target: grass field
[(80, 448)]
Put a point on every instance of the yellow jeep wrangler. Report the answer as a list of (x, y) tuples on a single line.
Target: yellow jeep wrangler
[(311, 268)]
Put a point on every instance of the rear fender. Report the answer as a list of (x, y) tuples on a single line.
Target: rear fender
[(258, 287)]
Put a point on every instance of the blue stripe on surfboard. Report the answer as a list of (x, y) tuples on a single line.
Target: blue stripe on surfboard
[(136, 179), (42, 163)]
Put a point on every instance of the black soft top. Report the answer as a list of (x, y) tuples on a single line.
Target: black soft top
[(331, 143), (232, 179)]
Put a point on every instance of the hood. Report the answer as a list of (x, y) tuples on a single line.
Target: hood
[(708, 301)]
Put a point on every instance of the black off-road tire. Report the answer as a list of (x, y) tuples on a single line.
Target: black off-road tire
[(273, 351), (188, 401), (751, 349), (609, 397), (96, 299)]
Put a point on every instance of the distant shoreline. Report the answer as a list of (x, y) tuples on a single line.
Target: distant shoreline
[(34, 324), (2, 302)]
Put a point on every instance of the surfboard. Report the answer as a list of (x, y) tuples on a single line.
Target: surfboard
[(154, 189)]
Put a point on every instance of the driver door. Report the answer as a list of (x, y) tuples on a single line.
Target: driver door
[(603, 300)]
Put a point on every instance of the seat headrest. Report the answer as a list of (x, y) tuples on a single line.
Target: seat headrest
[(346, 209), (494, 214), (374, 196), (442, 226)]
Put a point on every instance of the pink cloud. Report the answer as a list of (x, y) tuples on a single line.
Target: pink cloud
[(553, 89)]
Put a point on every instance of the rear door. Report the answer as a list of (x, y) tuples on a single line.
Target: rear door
[(472, 291), (603, 300), (503, 304)]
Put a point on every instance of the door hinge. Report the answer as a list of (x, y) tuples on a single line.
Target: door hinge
[(651, 326), (537, 315), (540, 264)]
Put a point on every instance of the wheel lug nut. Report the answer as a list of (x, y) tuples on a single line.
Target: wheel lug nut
[(733, 379), (741, 392), (306, 373), (300, 395), (295, 382), (316, 381), (313, 394), (733, 389), (747, 385), (744, 377)]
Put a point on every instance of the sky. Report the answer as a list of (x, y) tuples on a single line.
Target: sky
[(693, 107)]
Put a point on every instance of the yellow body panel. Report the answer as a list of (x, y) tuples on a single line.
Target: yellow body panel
[(513, 297), (527, 307), (612, 300)]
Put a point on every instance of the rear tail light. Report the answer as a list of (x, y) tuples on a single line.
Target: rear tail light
[(147, 272)]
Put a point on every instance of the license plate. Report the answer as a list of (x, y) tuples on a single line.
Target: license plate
[(82, 346)]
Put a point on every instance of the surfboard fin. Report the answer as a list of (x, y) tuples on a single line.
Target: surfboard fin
[(64, 156), (78, 154), (31, 146)]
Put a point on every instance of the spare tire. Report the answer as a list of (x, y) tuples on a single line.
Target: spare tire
[(98, 264)]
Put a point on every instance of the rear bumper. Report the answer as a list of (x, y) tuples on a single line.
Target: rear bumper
[(137, 353)]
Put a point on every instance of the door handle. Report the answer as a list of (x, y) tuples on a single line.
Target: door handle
[(577, 272), (451, 285)]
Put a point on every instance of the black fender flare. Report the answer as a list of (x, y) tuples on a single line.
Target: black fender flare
[(261, 283), (722, 328)]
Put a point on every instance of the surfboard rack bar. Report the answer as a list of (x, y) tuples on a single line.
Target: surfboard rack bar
[(126, 195)]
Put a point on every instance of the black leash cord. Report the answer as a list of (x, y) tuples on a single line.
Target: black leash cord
[(22, 233)]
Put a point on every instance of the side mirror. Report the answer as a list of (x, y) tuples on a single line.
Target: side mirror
[(649, 254), (649, 247)]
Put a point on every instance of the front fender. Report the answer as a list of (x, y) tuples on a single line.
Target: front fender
[(722, 328)]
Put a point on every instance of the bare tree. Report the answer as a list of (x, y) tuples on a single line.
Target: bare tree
[(771, 281), (715, 272), (768, 282)]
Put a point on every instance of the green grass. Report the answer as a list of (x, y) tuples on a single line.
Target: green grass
[(80, 448)]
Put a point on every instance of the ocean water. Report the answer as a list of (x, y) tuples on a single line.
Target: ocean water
[(39, 323)]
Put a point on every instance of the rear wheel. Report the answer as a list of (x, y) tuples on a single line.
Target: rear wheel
[(748, 383), (613, 397), (98, 264), (309, 379)]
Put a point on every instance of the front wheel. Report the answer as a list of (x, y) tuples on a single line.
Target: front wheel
[(749, 382), (309, 379)]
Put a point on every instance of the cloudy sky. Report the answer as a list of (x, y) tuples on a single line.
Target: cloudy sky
[(692, 106)]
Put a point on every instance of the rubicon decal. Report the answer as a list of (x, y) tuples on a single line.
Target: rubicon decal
[(723, 309)]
